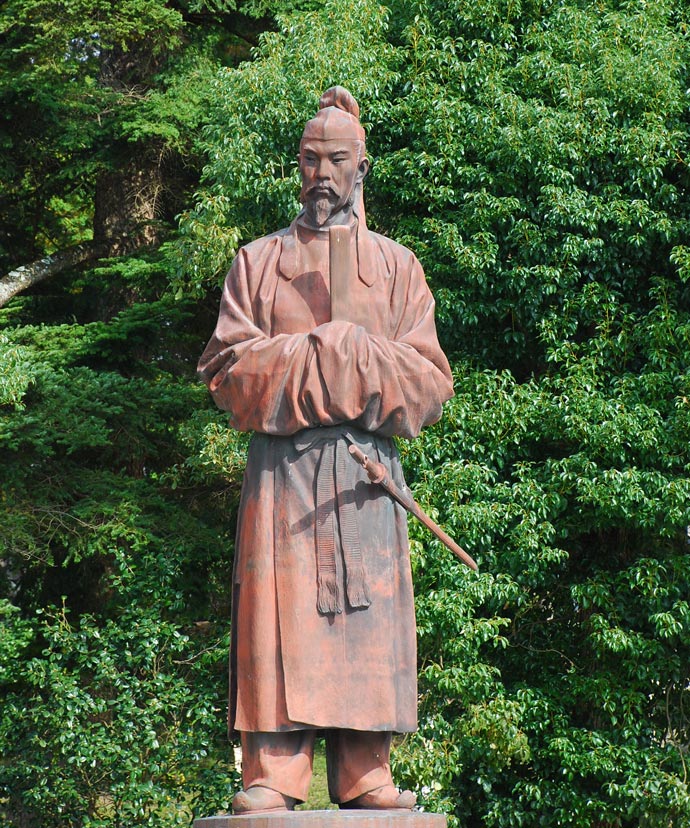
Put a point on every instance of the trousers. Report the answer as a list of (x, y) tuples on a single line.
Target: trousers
[(357, 762)]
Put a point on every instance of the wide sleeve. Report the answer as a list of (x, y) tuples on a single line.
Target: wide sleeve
[(391, 385), (262, 381), (336, 373)]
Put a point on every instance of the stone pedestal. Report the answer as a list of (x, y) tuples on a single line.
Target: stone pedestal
[(326, 819)]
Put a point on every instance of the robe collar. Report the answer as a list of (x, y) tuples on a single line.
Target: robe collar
[(290, 262)]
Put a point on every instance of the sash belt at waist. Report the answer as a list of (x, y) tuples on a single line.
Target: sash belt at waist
[(336, 477)]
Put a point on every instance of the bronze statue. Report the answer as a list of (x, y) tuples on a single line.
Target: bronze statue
[(325, 339)]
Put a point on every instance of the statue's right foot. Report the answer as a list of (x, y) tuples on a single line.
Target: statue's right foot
[(260, 800)]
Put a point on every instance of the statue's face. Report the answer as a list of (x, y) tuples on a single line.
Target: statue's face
[(330, 171)]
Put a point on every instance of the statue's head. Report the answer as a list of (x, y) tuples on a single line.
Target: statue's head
[(332, 160)]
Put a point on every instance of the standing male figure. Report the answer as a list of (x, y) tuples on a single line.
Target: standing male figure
[(323, 634)]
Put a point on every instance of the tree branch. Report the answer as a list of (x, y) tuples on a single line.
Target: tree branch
[(28, 275)]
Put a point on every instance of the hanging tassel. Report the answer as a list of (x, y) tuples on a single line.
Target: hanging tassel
[(357, 593), (328, 598)]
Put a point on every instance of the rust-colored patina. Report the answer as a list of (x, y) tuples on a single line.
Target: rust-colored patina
[(323, 616)]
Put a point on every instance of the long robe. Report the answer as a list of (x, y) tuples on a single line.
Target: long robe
[(307, 386)]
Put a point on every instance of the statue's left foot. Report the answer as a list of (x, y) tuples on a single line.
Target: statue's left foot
[(387, 797)]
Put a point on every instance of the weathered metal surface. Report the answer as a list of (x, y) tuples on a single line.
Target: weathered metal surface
[(340, 270), (314, 347), (327, 819)]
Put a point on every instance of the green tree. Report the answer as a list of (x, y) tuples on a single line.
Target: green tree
[(533, 155), (115, 560), (100, 109), (535, 162), (116, 530)]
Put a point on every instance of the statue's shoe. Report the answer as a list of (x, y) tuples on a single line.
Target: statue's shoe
[(387, 797), (260, 800)]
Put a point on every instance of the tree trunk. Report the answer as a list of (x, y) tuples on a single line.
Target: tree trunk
[(129, 199), (128, 206)]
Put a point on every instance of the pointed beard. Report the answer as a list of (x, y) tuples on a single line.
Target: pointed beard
[(320, 210)]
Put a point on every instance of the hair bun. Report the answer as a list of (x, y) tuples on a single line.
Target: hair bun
[(339, 97)]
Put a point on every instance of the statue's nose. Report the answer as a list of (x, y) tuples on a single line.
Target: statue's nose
[(323, 171)]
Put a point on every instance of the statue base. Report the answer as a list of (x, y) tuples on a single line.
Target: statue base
[(326, 819)]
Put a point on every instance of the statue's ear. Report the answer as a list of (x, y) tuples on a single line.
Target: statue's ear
[(362, 170)]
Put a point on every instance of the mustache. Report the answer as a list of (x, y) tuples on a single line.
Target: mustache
[(319, 190)]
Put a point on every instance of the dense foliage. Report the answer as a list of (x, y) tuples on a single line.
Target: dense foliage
[(533, 154)]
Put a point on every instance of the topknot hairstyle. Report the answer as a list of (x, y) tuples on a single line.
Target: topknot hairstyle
[(341, 98), (337, 118)]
